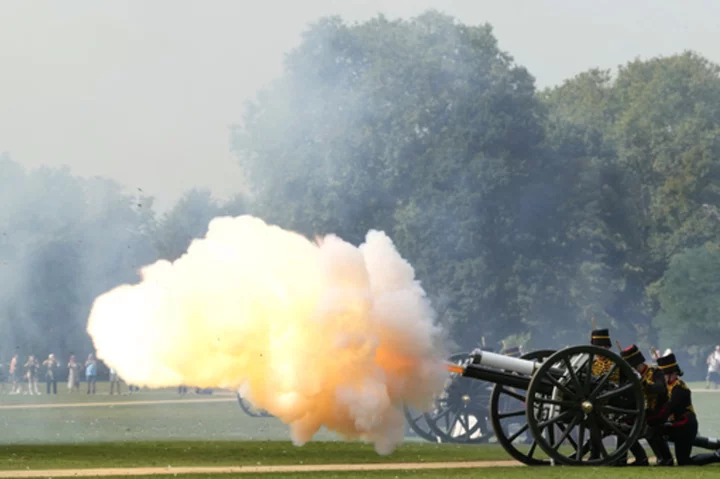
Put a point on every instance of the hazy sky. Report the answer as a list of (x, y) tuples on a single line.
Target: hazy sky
[(143, 91)]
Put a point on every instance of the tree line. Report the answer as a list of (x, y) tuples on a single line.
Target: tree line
[(524, 212)]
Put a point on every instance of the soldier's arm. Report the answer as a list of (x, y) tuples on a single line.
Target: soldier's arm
[(674, 405)]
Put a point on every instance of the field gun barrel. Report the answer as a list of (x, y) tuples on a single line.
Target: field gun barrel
[(506, 363), (496, 376), (500, 369)]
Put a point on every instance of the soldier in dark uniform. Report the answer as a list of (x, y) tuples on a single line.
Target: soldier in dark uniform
[(653, 382), (679, 411), (601, 338), (601, 365)]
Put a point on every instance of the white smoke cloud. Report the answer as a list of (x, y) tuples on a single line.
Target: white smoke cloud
[(317, 333)]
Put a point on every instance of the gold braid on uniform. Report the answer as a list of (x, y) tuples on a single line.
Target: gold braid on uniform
[(679, 384), (647, 379), (602, 365)]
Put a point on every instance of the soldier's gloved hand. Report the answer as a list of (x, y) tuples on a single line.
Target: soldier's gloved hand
[(475, 355)]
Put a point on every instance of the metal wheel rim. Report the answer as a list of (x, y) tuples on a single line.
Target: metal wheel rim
[(417, 422), (631, 387), (507, 442), (478, 414)]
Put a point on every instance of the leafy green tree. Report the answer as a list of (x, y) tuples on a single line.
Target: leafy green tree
[(189, 219), (186, 221), (64, 240), (422, 128), (689, 299), (646, 144)]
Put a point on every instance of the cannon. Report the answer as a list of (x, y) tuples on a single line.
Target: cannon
[(548, 407), (460, 414)]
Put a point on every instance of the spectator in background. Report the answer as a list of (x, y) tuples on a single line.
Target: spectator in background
[(114, 381), (51, 365), (713, 374), (12, 371), (3, 377), (73, 374), (91, 373), (31, 374)]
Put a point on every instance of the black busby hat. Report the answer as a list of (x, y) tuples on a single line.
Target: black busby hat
[(601, 337), (513, 352), (633, 356), (668, 364)]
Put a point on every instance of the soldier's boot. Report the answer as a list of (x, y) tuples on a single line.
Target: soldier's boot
[(641, 458)]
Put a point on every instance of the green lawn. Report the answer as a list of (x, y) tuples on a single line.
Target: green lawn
[(229, 453), (188, 433), (186, 420), (484, 473), (102, 393), (183, 420), (494, 473)]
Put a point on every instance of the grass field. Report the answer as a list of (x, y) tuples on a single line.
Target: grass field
[(230, 453), (494, 473), (31, 420), (498, 473), (41, 420), (490, 473), (160, 429)]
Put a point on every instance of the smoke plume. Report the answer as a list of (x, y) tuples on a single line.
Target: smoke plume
[(319, 334)]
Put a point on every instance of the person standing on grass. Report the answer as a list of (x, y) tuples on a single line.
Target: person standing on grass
[(31, 373), (114, 382), (3, 378), (73, 374), (713, 374), (91, 373), (51, 364), (12, 371)]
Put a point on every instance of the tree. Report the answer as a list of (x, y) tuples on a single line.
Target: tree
[(187, 220), (64, 241), (647, 143), (689, 298), (422, 128)]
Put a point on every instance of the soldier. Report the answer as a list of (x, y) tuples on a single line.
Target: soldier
[(653, 383), (601, 365), (601, 338), (679, 411)]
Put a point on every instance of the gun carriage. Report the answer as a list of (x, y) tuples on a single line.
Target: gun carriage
[(545, 407)]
